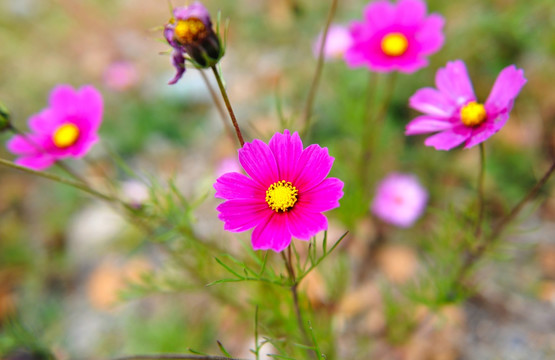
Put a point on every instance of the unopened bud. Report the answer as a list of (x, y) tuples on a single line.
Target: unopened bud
[(5, 123)]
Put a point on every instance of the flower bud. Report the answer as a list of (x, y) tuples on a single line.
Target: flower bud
[(190, 34), (5, 123)]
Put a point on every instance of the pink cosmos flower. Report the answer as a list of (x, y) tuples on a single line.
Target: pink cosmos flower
[(68, 128), (337, 42), (120, 75), (284, 194), (453, 111), (399, 200), (395, 37)]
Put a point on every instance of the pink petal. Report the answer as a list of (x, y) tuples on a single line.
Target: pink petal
[(432, 102), (287, 149), (305, 224), (83, 145), (379, 14), (37, 162), (238, 186), (506, 88), (64, 100), (430, 35), (272, 233), (259, 163), (426, 124), (241, 215), (453, 81), (410, 12), (486, 130), (44, 122), (90, 106), (449, 139), (313, 166), (323, 197), (20, 145)]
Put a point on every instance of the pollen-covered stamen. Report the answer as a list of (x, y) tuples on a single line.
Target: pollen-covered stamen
[(281, 196), (65, 135), (190, 31), (473, 114), (394, 44)]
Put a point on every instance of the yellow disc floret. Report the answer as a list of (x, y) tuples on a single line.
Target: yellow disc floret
[(190, 31), (473, 114), (281, 196), (65, 135), (394, 44)]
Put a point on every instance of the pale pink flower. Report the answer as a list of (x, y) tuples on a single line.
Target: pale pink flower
[(338, 41), (120, 75)]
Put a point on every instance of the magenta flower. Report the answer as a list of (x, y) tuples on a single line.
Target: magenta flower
[(395, 37), (285, 195), (399, 200), (337, 42), (453, 111), (192, 38), (68, 128)]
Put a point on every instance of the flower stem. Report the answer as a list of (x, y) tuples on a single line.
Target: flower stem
[(174, 357), (218, 105), (228, 105), (295, 284), (479, 219), (309, 105), (475, 255)]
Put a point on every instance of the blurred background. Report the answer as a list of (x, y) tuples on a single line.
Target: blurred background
[(69, 264)]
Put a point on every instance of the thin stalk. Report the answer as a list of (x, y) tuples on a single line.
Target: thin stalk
[(295, 294), (478, 231), (61, 180), (478, 253), (218, 105), (309, 105), (228, 105), (174, 357)]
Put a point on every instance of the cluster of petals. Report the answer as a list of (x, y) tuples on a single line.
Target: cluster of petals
[(395, 37), (67, 128), (285, 165), (453, 112), (338, 40), (400, 200), (189, 32)]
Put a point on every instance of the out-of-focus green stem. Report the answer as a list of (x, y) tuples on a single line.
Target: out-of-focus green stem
[(228, 106), (175, 357), (309, 105), (480, 217)]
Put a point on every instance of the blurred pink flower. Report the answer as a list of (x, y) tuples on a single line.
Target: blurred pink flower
[(120, 75), (285, 195), (337, 42), (228, 165), (453, 112), (399, 199), (395, 37), (68, 128)]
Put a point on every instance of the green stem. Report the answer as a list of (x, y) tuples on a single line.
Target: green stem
[(228, 106), (309, 105), (175, 357), (479, 219), (218, 105)]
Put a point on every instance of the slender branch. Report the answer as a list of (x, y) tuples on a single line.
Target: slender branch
[(218, 105), (228, 106), (478, 253), (307, 116), (480, 217), (174, 357)]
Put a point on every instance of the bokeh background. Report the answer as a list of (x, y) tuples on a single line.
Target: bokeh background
[(68, 262)]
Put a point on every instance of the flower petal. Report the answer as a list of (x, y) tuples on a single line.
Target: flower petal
[(178, 62), (234, 185), (64, 101), (305, 224), (91, 107), (36, 162), (323, 197), (486, 130), (20, 145), (241, 215), (45, 122), (432, 102), (410, 12), (449, 139), (313, 166), (259, 163), (506, 88), (379, 14), (287, 149), (430, 35), (453, 81), (272, 233), (426, 124)]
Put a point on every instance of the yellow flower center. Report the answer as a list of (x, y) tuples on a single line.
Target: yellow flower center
[(65, 135), (394, 44), (190, 31), (473, 114), (281, 196)]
